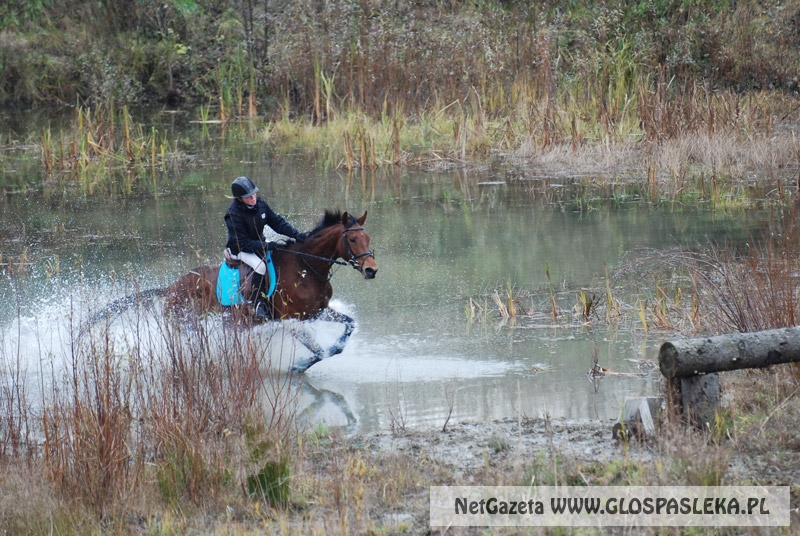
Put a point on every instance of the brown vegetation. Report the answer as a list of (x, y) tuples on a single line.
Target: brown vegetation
[(683, 97), (688, 100)]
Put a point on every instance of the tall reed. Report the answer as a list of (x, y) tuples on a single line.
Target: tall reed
[(186, 412), (743, 288), (104, 151)]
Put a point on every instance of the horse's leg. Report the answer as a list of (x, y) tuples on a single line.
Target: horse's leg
[(349, 326), (306, 339)]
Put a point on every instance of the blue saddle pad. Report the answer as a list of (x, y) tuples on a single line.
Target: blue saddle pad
[(228, 286), (229, 282)]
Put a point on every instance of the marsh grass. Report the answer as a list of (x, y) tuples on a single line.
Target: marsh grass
[(165, 436), (687, 101), (716, 288), (676, 161), (104, 151), (178, 417), (726, 288), (659, 136)]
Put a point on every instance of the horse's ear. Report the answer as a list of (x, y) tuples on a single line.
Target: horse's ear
[(362, 219), (345, 218)]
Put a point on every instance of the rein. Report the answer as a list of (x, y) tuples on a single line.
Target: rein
[(316, 257), (305, 256)]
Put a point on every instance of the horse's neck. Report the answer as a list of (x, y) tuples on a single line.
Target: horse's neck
[(322, 245)]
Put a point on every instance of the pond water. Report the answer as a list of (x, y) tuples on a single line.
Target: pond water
[(440, 240)]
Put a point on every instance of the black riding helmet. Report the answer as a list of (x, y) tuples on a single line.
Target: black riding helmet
[(243, 187)]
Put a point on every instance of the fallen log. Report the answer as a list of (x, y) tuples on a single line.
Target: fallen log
[(691, 365), (690, 357)]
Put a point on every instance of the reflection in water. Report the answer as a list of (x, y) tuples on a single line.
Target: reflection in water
[(323, 406), (440, 239)]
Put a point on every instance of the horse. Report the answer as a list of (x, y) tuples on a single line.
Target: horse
[(301, 290)]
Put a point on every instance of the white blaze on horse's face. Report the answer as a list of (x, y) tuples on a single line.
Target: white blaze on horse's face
[(356, 246)]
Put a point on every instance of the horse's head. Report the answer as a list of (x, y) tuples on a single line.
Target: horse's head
[(355, 245)]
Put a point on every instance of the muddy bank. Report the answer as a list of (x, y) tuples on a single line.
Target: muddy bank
[(394, 469), (401, 465), (469, 447)]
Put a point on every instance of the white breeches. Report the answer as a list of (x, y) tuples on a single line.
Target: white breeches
[(253, 261)]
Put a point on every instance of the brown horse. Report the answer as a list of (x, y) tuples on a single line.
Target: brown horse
[(302, 290)]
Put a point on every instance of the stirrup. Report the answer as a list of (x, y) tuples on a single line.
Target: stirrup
[(261, 310)]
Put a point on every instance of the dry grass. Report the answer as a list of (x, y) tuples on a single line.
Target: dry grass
[(160, 424), (712, 288), (176, 444), (751, 289), (704, 145)]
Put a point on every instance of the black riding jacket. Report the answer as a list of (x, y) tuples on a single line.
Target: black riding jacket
[(246, 226)]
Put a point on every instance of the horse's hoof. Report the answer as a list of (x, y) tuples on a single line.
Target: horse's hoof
[(300, 369), (305, 365)]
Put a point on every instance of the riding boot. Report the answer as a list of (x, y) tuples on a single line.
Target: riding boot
[(257, 299)]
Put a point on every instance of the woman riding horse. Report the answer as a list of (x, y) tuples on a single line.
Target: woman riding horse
[(302, 289), (246, 218)]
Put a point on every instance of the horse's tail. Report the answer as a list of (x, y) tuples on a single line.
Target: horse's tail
[(114, 309)]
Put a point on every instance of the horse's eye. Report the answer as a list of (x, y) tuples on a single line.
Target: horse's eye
[(352, 240)]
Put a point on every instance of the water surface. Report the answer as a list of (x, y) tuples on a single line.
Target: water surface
[(440, 239)]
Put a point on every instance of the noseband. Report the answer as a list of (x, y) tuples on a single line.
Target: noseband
[(353, 257)]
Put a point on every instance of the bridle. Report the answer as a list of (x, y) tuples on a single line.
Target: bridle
[(353, 257)]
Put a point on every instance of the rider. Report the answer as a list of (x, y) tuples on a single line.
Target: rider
[(246, 218)]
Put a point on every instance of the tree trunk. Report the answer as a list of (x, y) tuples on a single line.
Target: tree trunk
[(689, 357)]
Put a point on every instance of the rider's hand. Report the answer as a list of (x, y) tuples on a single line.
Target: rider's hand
[(272, 246), (301, 237)]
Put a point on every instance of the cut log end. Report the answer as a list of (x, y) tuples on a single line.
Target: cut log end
[(668, 360)]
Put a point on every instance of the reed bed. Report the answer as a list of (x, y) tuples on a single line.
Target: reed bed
[(172, 417), (750, 288), (105, 152), (674, 98)]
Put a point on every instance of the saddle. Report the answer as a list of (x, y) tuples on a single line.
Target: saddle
[(234, 276), (233, 261)]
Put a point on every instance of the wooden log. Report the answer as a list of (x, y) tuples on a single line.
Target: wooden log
[(689, 357), (700, 399)]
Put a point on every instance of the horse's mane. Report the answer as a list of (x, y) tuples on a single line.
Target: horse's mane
[(331, 218)]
